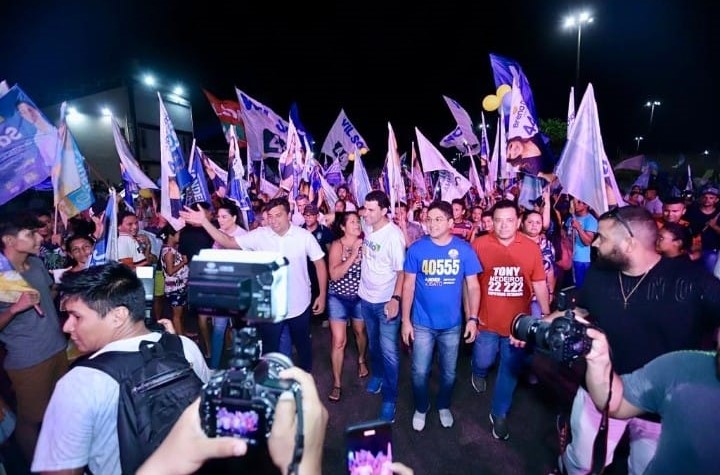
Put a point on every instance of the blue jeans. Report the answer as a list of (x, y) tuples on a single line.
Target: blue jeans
[(299, 328), (448, 342), (383, 341), (579, 271), (512, 360)]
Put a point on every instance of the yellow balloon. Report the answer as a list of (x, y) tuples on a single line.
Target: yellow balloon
[(502, 90), (363, 151), (351, 157), (491, 102), (145, 193)]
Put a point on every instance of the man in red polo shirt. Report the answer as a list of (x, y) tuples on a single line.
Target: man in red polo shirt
[(512, 273)]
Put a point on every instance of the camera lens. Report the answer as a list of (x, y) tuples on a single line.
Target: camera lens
[(524, 327)]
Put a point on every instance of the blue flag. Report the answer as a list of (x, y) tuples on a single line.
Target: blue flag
[(106, 246), (197, 192)]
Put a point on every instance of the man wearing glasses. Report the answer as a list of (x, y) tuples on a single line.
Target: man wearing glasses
[(647, 305)]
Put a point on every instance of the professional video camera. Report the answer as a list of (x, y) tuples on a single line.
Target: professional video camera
[(241, 401), (247, 284), (564, 339)]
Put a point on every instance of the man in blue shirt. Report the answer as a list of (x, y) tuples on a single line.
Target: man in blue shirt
[(583, 226), (436, 268)]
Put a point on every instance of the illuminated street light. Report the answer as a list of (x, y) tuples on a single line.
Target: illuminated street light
[(149, 80), (106, 112), (72, 110), (577, 21), (638, 139), (178, 90), (706, 152), (652, 104)]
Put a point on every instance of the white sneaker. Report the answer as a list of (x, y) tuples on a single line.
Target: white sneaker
[(419, 421), (446, 418)]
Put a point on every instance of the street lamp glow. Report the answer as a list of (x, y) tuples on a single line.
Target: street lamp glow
[(577, 21), (652, 104), (178, 91), (72, 110), (706, 152), (106, 112), (149, 80), (638, 139)]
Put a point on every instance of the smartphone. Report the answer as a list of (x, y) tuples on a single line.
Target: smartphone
[(369, 448)]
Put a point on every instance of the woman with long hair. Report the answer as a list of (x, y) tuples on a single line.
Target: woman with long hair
[(345, 256)]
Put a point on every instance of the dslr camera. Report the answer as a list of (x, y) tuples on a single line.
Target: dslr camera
[(240, 401), (564, 339)]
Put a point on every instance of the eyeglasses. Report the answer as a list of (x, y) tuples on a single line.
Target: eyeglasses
[(615, 214)]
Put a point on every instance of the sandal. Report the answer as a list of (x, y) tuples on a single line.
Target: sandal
[(362, 370), (335, 394)]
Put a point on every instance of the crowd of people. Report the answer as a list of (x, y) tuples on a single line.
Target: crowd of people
[(427, 274)]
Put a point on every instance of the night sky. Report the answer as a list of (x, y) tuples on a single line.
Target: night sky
[(385, 61)]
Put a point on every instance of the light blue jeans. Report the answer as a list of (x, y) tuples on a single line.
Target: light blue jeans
[(448, 343), (383, 342), (485, 349)]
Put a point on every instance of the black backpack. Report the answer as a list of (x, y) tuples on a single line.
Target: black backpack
[(156, 383)]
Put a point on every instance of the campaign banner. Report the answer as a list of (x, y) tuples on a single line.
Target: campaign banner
[(266, 132), (28, 144), (342, 140)]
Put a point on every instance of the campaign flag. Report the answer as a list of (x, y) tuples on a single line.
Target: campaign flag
[(216, 174), (265, 131), (308, 139), (289, 161), (689, 186), (506, 170), (12, 283), (237, 187), (462, 137), (494, 162), (229, 114), (360, 180), (28, 144), (173, 175), (342, 139), (417, 179), (504, 70), (71, 186), (583, 168), (636, 163), (3, 88), (484, 145), (571, 110), (396, 184), (452, 183), (475, 179), (133, 177), (522, 125), (198, 191), (106, 246), (333, 173)]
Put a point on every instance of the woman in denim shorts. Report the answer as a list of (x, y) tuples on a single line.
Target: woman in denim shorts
[(345, 256)]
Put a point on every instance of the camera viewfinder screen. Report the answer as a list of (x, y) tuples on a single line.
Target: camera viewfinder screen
[(241, 422), (369, 451)]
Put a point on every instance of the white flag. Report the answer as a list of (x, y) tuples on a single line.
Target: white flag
[(360, 180), (395, 179), (475, 179), (265, 131), (452, 183), (342, 140), (170, 164), (462, 137), (583, 168), (571, 111), (132, 168)]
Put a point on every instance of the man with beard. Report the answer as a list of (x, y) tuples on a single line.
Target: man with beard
[(680, 387), (647, 305)]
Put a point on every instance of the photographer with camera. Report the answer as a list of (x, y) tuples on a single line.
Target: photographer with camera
[(683, 387), (647, 305)]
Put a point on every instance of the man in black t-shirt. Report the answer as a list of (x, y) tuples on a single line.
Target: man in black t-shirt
[(647, 306), (324, 237), (703, 219)]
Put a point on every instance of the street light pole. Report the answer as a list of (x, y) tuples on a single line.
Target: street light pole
[(652, 104), (638, 139), (578, 21)]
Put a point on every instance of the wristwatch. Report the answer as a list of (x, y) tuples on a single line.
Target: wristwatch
[(473, 319), (396, 297)]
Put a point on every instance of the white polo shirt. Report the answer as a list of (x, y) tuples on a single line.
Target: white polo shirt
[(296, 245)]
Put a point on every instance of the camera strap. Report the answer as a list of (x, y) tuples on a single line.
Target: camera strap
[(299, 434), (600, 443)]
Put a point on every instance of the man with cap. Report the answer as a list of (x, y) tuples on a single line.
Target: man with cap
[(324, 237), (703, 219)]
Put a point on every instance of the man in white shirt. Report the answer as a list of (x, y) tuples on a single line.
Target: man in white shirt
[(133, 249), (106, 312), (295, 244), (653, 203), (381, 283)]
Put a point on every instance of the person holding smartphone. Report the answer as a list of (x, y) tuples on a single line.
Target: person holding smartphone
[(437, 269)]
